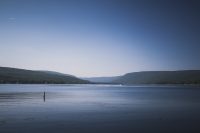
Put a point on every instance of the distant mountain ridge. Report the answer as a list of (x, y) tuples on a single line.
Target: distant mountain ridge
[(56, 73), (15, 75), (160, 77), (101, 79)]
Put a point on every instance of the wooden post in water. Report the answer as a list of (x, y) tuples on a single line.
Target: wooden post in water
[(44, 96)]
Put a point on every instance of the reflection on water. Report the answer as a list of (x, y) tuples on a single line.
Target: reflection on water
[(90, 108)]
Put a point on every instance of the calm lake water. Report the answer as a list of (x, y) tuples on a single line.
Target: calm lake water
[(99, 109)]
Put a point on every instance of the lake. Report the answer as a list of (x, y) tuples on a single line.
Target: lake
[(99, 109)]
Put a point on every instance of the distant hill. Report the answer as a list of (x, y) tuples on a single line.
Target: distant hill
[(160, 77), (56, 73), (101, 79), (14, 75)]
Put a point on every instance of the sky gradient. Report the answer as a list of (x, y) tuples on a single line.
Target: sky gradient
[(100, 37)]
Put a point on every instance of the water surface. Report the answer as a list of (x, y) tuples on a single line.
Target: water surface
[(99, 109)]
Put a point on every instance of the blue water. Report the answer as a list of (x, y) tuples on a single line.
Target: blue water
[(99, 109)]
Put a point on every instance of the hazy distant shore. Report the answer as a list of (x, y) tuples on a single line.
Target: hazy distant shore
[(22, 76)]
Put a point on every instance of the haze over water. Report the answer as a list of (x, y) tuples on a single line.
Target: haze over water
[(99, 108)]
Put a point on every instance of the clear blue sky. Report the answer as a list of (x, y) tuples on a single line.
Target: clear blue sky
[(100, 37)]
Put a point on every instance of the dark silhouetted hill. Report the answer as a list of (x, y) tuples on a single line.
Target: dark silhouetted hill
[(160, 77), (22, 76)]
